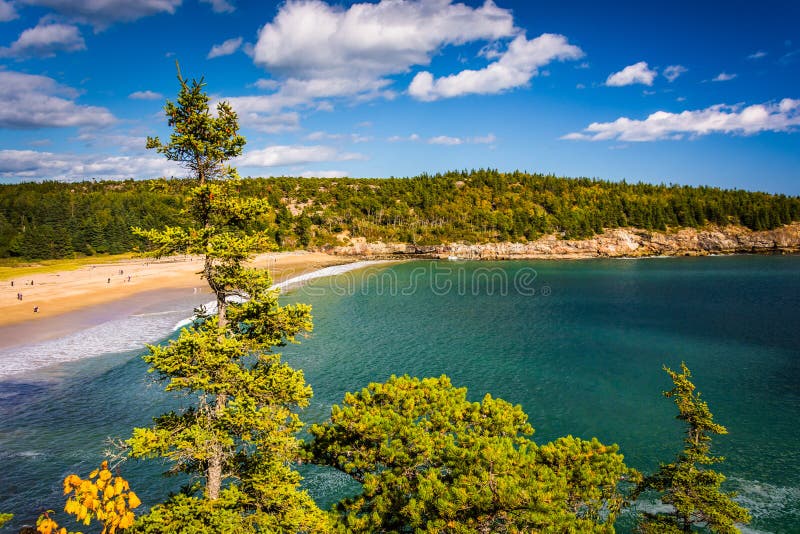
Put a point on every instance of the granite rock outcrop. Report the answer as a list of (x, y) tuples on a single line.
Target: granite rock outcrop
[(618, 242)]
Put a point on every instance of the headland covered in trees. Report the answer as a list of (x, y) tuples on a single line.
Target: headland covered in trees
[(428, 214)]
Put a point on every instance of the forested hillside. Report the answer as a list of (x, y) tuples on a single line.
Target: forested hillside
[(53, 219)]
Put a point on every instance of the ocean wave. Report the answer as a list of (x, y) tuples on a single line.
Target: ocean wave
[(211, 307), (766, 500), (325, 272), (126, 334)]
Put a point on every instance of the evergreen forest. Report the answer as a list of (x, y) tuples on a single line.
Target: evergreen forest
[(56, 220)]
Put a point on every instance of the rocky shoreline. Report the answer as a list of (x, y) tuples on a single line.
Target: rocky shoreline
[(616, 243)]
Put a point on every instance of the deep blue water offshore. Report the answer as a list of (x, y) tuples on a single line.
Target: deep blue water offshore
[(579, 344)]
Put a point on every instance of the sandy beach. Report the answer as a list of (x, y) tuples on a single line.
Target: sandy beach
[(69, 300)]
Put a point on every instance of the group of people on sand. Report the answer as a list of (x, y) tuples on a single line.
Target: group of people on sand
[(19, 296), (121, 272), (36, 308)]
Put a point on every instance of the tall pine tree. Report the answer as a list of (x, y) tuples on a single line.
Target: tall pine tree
[(239, 436), (686, 485)]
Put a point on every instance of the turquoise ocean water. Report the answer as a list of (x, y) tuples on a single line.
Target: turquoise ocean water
[(579, 344)]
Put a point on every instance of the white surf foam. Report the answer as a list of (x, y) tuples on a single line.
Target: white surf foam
[(210, 309), (763, 500), (325, 272), (767, 500), (126, 334)]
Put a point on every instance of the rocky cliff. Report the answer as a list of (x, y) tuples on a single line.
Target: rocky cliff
[(620, 242)]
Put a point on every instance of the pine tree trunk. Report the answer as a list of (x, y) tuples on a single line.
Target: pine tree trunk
[(214, 471), (214, 474), (222, 312)]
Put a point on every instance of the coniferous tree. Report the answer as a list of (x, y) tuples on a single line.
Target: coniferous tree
[(686, 485), (431, 461), (239, 437)]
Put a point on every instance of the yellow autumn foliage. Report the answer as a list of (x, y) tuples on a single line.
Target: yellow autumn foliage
[(46, 525), (133, 500), (102, 496)]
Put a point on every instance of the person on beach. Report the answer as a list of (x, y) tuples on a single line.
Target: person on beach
[(109, 281), (36, 309)]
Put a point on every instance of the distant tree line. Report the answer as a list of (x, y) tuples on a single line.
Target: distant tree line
[(54, 220)]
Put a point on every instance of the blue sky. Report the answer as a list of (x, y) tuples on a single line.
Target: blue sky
[(674, 92)]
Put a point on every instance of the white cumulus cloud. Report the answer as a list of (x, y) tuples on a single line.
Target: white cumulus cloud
[(7, 11), (274, 123), (280, 155), (672, 72), (266, 84), (268, 119), (514, 68), (145, 95), (225, 49), (777, 117), (323, 51), (256, 110), (36, 165), (352, 137), (103, 13), (44, 40), (453, 141), (311, 39), (636, 73), (483, 140), (397, 138), (296, 92), (318, 53), (220, 6), (723, 77), (445, 140), (32, 101)]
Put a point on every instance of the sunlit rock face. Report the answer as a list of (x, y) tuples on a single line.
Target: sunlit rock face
[(619, 242)]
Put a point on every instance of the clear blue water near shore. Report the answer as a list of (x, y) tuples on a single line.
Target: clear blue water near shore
[(579, 344)]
